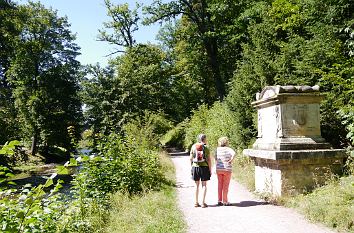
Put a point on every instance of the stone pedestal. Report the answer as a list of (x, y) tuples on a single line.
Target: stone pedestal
[(290, 154)]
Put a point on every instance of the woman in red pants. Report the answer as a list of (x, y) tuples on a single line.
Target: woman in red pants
[(223, 157)]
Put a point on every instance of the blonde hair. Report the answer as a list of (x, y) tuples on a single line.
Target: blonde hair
[(223, 141)]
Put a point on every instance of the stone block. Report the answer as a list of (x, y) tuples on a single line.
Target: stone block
[(290, 154)]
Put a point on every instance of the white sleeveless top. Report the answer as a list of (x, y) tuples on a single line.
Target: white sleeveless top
[(222, 156)]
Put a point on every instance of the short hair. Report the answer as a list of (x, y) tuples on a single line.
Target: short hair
[(201, 137), (223, 141)]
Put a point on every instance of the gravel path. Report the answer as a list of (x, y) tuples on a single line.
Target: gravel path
[(246, 215)]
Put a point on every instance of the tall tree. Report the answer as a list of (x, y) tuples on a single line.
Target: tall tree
[(135, 82), (44, 75), (124, 22), (205, 18), (143, 79), (296, 43), (100, 94), (8, 31)]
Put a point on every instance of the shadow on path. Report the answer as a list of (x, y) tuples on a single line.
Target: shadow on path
[(179, 154), (174, 152), (241, 204), (249, 203), (183, 185)]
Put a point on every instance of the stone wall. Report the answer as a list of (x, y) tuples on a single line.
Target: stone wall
[(289, 177)]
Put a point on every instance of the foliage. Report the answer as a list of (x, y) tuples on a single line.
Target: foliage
[(209, 30), (41, 209), (215, 122), (150, 211), (190, 85), (5, 174), (175, 136), (243, 171), (124, 23), (140, 85), (9, 147), (40, 75), (30, 209), (196, 126), (121, 165), (143, 80), (347, 114), (87, 140), (295, 43), (83, 214), (36, 209), (145, 131), (8, 115), (7, 153), (100, 95), (331, 204)]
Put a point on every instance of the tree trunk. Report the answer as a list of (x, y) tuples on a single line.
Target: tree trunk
[(34, 144), (212, 52)]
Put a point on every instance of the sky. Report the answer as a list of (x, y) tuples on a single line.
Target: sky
[(86, 17)]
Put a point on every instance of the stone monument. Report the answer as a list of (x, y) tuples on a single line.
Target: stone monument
[(290, 154)]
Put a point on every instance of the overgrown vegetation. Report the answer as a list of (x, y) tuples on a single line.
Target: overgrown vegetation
[(126, 169), (149, 212), (213, 57), (331, 204)]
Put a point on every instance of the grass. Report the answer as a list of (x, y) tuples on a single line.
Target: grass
[(154, 211), (243, 171), (332, 204), (151, 212)]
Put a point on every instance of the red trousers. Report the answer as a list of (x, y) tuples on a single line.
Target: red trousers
[(224, 178)]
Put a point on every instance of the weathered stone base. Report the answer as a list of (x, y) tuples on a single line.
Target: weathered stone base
[(291, 172), (292, 143)]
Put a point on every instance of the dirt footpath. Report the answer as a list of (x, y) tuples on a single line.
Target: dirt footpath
[(246, 215)]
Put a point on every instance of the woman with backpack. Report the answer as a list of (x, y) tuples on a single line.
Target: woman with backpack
[(200, 160), (224, 156)]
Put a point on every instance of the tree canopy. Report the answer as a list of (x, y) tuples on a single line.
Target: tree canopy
[(207, 51), (40, 73)]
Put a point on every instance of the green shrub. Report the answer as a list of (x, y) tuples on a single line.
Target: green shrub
[(122, 165), (175, 136), (29, 209), (197, 124), (83, 215), (221, 123), (150, 211), (215, 122), (9, 156), (147, 130), (32, 209)]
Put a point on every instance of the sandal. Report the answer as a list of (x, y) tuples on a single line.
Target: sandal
[(227, 204), (196, 205), (220, 203), (204, 205)]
